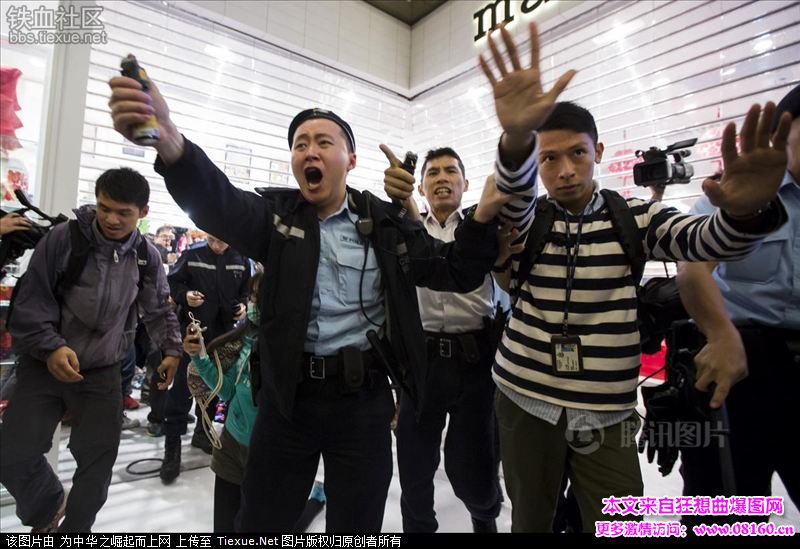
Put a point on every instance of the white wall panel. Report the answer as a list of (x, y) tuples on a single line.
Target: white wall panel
[(322, 15), (247, 10), (315, 28)]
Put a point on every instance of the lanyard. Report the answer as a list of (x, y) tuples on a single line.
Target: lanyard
[(572, 261)]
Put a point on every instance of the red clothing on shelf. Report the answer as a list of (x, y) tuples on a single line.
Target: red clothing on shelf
[(9, 121)]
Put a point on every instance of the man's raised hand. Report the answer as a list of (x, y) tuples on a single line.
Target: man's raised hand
[(522, 105), (751, 178), (398, 183), (491, 202)]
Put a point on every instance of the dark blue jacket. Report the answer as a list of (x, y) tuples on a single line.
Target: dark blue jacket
[(222, 278)]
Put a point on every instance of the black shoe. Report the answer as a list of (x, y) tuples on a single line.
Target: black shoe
[(154, 429), (171, 467), (200, 440), (484, 526)]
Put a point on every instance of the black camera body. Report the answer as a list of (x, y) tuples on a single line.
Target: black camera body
[(15, 244), (657, 168)]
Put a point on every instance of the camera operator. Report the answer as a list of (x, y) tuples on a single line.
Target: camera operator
[(748, 311), (24, 235), (13, 222)]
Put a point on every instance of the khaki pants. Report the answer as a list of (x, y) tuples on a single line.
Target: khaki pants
[(536, 455)]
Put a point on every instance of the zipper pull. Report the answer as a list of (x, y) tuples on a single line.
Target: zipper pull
[(116, 257)]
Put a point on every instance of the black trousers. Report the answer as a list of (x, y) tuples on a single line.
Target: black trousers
[(352, 434), (176, 403), (763, 416), (227, 498), (158, 398), (465, 391), (34, 410)]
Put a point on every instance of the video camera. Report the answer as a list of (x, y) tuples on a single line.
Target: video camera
[(657, 169), (14, 244)]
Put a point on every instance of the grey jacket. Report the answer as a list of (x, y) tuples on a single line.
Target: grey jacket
[(98, 315)]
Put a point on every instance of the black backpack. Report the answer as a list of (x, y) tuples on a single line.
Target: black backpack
[(78, 257), (659, 303)]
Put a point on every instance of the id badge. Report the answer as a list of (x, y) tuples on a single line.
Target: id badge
[(566, 355)]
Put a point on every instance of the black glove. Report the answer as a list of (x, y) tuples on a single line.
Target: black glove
[(662, 405), (668, 405)]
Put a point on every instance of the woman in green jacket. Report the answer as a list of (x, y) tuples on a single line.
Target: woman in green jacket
[(233, 352)]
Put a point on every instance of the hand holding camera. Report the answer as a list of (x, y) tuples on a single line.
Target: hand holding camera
[(193, 343), (239, 311), (195, 298)]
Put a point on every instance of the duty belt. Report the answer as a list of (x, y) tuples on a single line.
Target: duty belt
[(791, 338), (467, 345), (325, 367)]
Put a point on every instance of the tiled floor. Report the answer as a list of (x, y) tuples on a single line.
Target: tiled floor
[(141, 503)]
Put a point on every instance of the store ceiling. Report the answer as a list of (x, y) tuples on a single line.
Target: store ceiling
[(407, 11)]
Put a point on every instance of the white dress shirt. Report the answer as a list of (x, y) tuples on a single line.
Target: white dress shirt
[(451, 312)]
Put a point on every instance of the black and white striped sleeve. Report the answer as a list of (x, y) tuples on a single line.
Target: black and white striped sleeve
[(522, 184), (674, 236)]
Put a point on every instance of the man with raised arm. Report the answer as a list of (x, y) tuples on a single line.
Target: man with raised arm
[(568, 363)]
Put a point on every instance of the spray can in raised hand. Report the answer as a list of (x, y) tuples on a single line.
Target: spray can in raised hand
[(146, 133)]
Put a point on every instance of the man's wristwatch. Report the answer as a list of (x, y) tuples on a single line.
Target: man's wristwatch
[(769, 205)]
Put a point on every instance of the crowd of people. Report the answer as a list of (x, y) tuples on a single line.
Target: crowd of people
[(358, 299)]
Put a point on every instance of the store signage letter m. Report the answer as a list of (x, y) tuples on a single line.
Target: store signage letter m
[(480, 16), (526, 7)]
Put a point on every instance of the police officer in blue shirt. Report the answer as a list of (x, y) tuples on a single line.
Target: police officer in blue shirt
[(749, 311), (338, 264)]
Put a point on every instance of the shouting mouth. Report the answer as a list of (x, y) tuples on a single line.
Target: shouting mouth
[(313, 176), (442, 192)]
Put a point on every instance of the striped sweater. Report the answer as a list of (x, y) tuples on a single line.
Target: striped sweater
[(603, 307)]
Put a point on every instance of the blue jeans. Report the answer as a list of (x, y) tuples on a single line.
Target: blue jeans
[(128, 370)]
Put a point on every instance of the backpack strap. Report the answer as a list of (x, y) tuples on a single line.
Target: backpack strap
[(78, 256), (624, 224), (543, 218), (76, 262), (142, 259)]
